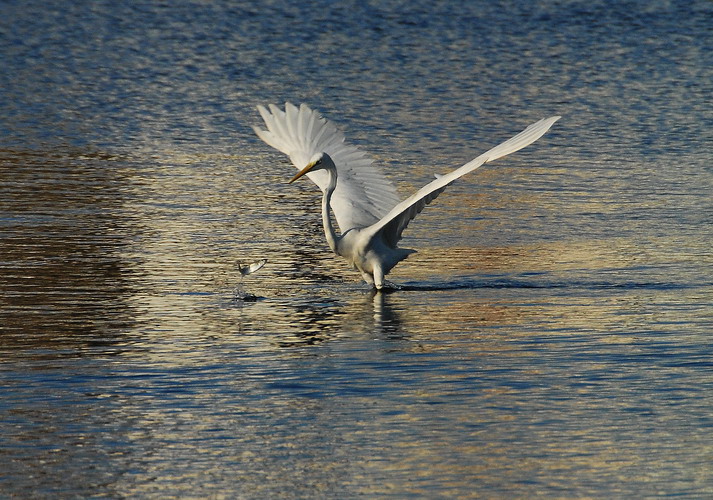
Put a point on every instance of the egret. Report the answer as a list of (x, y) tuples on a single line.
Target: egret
[(370, 215)]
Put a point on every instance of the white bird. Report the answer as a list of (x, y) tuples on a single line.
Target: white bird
[(369, 213)]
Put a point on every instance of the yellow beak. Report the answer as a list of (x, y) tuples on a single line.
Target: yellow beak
[(302, 172)]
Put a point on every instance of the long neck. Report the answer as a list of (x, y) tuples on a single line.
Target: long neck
[(329, 231)]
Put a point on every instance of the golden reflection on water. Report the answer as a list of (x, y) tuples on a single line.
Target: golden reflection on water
[(158, 253), (147, 254), (319, 375)]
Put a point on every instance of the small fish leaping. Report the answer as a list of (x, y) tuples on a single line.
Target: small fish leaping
[(245, 270)]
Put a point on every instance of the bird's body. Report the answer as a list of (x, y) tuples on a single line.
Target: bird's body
[(364, 202), (362, 247)]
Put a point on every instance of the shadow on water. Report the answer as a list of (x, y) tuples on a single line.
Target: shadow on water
[(518, 283), (62, 276)]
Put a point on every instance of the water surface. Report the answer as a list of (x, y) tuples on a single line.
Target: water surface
[(552, 337)]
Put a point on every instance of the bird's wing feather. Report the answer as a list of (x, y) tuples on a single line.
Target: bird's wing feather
[(363, 195), (392, 225)]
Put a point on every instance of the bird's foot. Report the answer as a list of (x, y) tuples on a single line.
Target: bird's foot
[(387, 286)]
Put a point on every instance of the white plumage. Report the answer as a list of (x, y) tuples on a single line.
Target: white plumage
[(368, 211), (363, 194)]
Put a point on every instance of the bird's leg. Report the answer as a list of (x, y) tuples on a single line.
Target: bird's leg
[(368, 278), (378, 277)]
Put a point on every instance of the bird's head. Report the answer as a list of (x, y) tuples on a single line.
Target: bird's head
[(320, 161)]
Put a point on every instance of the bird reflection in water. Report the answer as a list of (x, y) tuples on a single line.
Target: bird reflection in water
[(386, 320)]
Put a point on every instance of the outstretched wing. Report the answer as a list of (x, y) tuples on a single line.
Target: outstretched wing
[(363, 195), (393, 224)]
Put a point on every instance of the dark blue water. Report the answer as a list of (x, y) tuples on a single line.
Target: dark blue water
[(552, 336)]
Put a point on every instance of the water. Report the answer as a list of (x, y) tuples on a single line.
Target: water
[(553, 334)]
